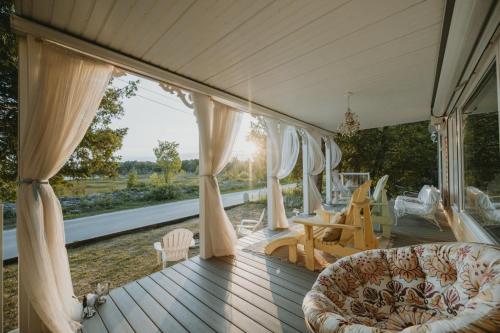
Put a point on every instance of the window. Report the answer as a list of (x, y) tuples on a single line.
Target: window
[(481, 155)]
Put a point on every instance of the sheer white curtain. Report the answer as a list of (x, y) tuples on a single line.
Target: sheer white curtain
[(335, 153), (315, 165), (284, 145), (60, 93), (218, 126)]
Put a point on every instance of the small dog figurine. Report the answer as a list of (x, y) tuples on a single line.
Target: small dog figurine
[(91, 301)]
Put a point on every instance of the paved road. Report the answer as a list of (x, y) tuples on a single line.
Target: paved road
[(96, 226)]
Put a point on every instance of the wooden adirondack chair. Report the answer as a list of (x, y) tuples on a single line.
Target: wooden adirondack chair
[(357, 232), (380, 207)]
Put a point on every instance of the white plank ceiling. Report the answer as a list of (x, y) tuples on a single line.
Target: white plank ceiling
[(295, 56)]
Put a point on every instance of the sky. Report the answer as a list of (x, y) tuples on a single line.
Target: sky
[(154, 114)]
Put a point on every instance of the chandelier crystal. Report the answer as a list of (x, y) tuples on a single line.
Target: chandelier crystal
[(350, 125)]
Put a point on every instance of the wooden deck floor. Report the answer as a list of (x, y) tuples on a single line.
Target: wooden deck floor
[(246, 293)]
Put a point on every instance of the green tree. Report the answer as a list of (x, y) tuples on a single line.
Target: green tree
[(405, 152), (142, 167), (8, 104), (132, 180), (190, 166), (167, 157), (95, 155)]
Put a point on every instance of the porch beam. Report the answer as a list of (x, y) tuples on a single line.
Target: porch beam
[(140, 67)]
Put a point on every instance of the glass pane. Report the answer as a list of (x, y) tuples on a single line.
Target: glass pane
[(481, 150)]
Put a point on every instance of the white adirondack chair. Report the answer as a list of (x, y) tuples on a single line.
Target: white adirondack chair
[(425, 205), (341, 193), (246, 227), (380, 207), (175, 246)]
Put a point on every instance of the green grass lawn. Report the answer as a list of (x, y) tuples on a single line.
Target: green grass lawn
[(105, 185), (117, 260)]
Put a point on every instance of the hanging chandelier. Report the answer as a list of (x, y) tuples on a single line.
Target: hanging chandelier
[(350, 125)]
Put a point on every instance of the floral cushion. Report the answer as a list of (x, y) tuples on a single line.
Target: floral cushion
[(445, 287)]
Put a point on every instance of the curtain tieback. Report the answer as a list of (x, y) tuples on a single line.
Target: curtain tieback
[(211, 176), (36, 183)]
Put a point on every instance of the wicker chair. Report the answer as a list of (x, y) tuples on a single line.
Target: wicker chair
[(425, 205), (444, 287)]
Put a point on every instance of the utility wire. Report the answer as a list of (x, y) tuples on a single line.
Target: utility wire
[(155, 101), (163, 104), (166, 95)]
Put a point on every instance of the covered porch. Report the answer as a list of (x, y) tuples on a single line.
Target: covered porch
[(289, 63)]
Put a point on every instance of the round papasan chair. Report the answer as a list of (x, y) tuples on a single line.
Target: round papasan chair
[(443, 287)]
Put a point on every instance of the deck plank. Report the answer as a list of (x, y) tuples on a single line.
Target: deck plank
[(290, 266), (259, 309), (205, 313), (244, 241), (289, 305), (94, 325), (275, 271), (113, 319), (270, 276), (182, 314), (301, 273), (161, 317), (218, 299), (255, 238), (217, 265), (139, 321)]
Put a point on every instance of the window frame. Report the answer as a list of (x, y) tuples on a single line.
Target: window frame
[(456, 143)]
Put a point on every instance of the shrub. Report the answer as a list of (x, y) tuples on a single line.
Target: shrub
[(133, 179), (154, 179), (243, 175), (190, 190), (163, 192), (293, 198)]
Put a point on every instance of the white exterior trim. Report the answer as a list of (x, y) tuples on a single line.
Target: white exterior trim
[(471, 31)]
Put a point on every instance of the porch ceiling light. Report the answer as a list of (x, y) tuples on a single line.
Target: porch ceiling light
[(350, 125)]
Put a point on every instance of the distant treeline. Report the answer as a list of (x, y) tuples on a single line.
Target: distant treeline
[(148, 167)]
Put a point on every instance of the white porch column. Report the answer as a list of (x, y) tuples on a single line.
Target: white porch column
[(270, 198), (328, 169), (305, 173)]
